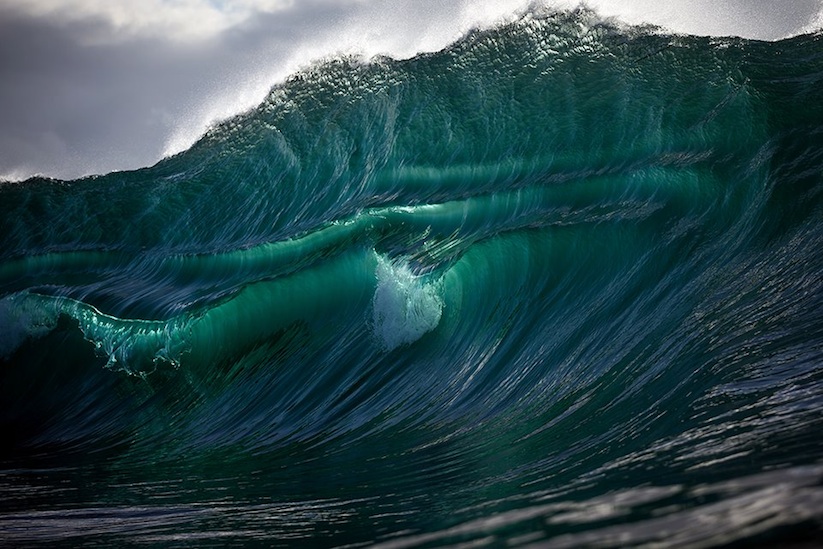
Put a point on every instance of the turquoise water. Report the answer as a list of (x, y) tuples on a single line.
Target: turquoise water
[(557, 284)]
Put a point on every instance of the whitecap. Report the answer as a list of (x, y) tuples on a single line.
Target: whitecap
[(406, 305)]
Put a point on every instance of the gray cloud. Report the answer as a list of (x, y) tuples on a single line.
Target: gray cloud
[(96, 92), (69, 108), (760, 19)]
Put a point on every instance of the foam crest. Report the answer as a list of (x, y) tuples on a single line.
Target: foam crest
[(134, 346), (406, 306)]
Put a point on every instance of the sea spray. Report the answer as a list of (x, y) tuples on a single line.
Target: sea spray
[(405, 305)]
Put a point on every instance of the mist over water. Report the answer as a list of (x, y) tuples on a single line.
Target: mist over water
[(555, 282)]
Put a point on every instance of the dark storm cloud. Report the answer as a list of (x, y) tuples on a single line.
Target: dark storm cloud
[(91, 94)]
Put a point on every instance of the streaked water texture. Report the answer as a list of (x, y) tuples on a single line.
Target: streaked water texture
[(558, 284)]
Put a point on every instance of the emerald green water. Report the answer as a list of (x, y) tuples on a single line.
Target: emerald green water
[(558, 284)]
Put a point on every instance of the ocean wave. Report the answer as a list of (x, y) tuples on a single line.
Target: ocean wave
[(556, 284)]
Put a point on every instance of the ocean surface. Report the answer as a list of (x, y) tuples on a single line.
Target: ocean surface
[(558, 284)]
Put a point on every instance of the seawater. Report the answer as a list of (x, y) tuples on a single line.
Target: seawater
[(559, 283)]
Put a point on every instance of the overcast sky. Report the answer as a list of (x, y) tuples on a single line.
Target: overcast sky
[(91, 86)]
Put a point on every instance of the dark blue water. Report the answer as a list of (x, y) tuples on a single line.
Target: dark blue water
[(558, 284)]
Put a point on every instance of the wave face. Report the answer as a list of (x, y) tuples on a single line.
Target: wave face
[(560, 283)]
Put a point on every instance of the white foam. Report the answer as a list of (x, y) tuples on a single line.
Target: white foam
[(405, 305)]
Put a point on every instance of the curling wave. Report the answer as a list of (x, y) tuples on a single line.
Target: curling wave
[(559, 283)]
